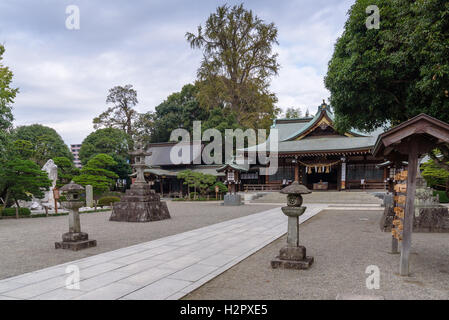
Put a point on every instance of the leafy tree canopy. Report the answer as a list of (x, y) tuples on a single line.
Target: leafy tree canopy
[(385, 76), (121, 114), (179, 110), (221, 119), (293, 113), (46, 142), (7, 95), (66, 171), (197, 181), (23, 179), (121, 168), (109, 141), (96, 174), (237, 64)]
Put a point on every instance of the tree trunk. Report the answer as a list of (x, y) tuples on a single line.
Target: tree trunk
[(6, 202), (17, 208), (447, 188)]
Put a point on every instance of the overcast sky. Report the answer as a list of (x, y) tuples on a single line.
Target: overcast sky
[(64, 75)]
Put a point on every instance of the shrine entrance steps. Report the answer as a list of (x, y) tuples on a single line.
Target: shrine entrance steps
[(361, 197)]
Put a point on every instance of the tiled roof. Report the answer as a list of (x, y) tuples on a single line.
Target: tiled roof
[(323, 144)]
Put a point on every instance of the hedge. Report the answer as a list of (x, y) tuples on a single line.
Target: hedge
[(106, 201), (9, 212), (442, 195)]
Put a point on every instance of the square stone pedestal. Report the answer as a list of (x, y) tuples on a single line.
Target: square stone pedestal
[(292, 258), (140, 204), (232, 199), (75, 241)]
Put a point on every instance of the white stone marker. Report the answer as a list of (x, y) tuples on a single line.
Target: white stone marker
[(89, 196)]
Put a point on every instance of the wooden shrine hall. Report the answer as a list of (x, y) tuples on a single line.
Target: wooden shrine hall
[(311, 151)]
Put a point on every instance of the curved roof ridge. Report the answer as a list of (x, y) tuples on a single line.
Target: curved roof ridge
[(323, 109)]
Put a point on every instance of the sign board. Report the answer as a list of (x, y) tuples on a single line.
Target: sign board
[(231, 176)]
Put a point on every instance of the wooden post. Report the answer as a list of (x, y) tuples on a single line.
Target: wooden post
[(343, 175), (394, 245), (409, 208), (162, 187), (297, 171)]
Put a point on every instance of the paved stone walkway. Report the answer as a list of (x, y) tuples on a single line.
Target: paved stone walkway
[(166, 268)]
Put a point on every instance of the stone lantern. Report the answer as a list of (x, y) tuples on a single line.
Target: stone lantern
[(140, 203), (72, 201), (293, 256)]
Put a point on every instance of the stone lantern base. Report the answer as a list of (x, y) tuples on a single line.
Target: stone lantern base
[(292, 258), (75, 241), (140, 204), (232, 199)]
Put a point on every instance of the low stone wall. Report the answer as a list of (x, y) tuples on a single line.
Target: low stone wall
[(433, 219)]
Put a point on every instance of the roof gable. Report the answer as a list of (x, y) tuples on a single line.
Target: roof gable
[(323, 118)]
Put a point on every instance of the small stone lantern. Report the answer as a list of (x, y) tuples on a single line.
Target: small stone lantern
[(293, 256), (73, 200)]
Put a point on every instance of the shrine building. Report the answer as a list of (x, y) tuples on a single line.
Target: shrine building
[(310, 150)]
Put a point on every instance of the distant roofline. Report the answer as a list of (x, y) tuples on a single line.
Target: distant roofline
[(293, 120)]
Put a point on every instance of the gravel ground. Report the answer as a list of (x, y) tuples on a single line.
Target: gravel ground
[(28, 244), (343, 244)]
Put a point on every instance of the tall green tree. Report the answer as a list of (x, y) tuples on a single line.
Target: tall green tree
[(109, 141), (96, 174), (437, 176), (385, 76), (7, 95), (23, 179), (237, 64), (293, 113), (121, 114), (221, 119), (66, 171), (179, 110), (144, 128), (47, 143), (206, 182)]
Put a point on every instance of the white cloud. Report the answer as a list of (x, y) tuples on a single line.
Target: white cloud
[(64, 76)]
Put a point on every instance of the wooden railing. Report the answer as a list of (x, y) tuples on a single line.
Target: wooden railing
[(262, 187), (367, 185)]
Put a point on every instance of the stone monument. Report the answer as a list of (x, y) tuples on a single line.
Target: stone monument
[(52, 171), (430, 216), (48, 200), (293, 256), (74, 239), (89, 196), (140, 204)]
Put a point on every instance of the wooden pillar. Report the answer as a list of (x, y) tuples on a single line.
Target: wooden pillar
[(343, 175), (394, 245), (297, 171), (162, 187), (409, 208)]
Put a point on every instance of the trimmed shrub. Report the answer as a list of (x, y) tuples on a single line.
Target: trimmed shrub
[(106, 201), (11, 212), (442, 195)]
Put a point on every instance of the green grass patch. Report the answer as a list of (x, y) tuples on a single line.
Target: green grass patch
[(43, 215)]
